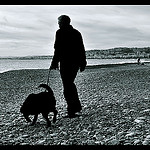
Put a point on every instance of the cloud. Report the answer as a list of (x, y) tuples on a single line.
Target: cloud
[(30, 30)]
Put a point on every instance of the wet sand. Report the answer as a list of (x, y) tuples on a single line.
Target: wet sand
[(115, 101)]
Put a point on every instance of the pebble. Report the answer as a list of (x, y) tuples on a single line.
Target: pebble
[(23, 143), (114, 142), (40, 142), (8, 124), (127, 143), (148, 137), (20, 129), (65, 133), (120, 133), (136, 142), (98, 142), (138, 121), (63, 142), (140, 118), (130, 134), (146, 110), (11, 135), (25, 136), (145, 142), (53, 134)]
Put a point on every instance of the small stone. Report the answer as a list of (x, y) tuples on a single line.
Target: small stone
[(127, 143), (148, 137), (120, 133), (25, 136), (145, 142), (84, 130), (65, 133), (11, 135), (138, 121), (136, 142), (114, 142), (53, 134), (140, 118), (130, 134), (98, 142), (23, 143), (146, 110), (41, 142), (63, 143)]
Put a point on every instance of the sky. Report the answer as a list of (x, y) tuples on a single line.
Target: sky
[(30, 29)]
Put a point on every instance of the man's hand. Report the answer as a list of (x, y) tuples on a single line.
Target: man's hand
[(82, 66), (82, 69), (55, 67)]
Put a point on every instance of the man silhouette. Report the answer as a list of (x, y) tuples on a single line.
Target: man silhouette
[(70, 53)]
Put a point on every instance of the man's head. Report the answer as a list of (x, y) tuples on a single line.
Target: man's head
[(64, 21)]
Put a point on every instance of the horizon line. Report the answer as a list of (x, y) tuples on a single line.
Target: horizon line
[(44, 55)]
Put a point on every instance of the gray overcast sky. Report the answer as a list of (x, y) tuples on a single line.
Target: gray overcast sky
[(30, 29)]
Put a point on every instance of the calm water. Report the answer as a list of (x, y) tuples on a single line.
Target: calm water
[(6, 64)]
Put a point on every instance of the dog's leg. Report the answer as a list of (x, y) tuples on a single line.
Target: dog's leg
[(45, 115), (34, 119), (55, 114)]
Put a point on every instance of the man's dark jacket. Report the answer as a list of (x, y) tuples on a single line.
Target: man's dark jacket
[(69, 48)]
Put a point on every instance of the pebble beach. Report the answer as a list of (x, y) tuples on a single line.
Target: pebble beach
[(115, 107)]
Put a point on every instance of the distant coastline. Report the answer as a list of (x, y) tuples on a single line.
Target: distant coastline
[(114, 53), (119, 53)]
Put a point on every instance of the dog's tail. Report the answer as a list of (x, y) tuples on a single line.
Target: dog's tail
[(46, 87)]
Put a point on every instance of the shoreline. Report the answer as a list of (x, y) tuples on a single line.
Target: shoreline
[(90, 66)]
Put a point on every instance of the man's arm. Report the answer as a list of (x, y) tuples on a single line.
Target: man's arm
[(56, 57), (83, 62)]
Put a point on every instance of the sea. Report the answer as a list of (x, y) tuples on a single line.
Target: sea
[(18, 64)]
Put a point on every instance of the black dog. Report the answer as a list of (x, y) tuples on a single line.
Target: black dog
[(43, 102)]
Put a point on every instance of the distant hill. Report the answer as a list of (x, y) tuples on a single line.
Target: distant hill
[(120, 52)]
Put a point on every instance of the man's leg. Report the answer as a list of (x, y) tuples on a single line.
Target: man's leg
[(71, 96), (70, 91)]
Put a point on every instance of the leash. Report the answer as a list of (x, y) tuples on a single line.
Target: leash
[(48, 76)]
